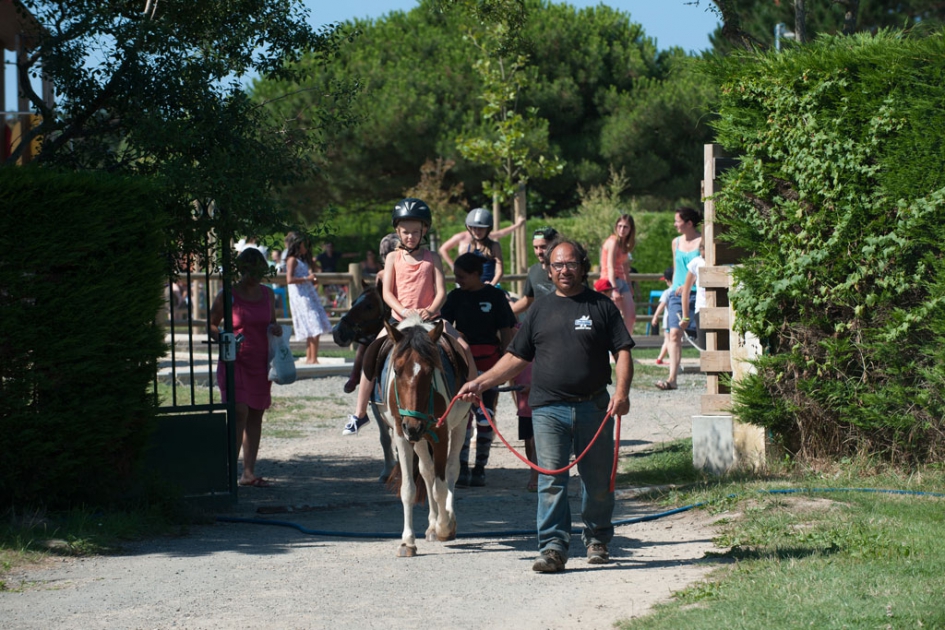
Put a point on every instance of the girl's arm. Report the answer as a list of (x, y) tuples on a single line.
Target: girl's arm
[(686, 288), (497, 234), (499, 267), (610, 251), (290, 264), (659, 311), (216, 316), (387, 288), (505, 337), (440, 283), (453, 242)]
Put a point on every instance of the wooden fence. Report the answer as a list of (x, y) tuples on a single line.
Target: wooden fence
[(352, 283)]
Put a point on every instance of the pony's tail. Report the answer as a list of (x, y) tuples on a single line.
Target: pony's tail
[(395, 481)]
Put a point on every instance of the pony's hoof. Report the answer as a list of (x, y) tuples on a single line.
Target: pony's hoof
[(406, 551), (450, 535), (384, 477)]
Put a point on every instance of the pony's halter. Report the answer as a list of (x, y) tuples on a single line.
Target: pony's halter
[(429, 418)]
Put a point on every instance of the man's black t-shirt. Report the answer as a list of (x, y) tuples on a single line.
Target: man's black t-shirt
[(537, 283), (569, 341), (479, 314), (328, 264)]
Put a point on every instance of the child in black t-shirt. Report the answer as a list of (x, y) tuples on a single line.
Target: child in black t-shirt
[(482, 315)]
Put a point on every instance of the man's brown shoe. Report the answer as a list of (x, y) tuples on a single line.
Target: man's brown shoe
[(597, 554), (550, 561)]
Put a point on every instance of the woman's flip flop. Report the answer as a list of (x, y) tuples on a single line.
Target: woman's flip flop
[(665, 385), (258, 482)]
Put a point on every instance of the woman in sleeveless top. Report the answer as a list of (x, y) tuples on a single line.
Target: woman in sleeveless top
[(254, 317), (685, 248), (478, 239), (615, 258)]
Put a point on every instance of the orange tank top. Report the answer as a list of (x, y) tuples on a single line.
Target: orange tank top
[(620, 262), (414, 284)]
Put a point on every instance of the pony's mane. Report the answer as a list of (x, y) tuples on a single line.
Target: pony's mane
[(414, 320), (416, 339)]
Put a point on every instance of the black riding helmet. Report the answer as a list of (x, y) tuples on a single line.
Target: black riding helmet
[(412, 208)]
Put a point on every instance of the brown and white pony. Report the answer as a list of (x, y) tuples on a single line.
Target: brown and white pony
[(417, 392)]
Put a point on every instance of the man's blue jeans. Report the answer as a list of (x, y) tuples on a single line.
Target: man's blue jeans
[(560, 430)]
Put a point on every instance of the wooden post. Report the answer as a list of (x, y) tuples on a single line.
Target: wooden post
[(356, 285), (518, 237), (719, 441)]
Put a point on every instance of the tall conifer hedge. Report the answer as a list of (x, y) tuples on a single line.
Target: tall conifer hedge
[(840, 200), (81, 279)]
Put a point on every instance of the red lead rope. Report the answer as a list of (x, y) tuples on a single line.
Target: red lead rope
[(545, 471)]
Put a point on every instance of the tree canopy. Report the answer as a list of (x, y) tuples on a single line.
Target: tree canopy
[(418, 92), (157, 88), (747, 22)]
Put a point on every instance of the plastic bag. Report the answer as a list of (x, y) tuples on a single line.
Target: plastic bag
[(281, 361)]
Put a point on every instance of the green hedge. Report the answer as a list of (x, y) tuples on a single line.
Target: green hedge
[(839, 198), (81, 279)]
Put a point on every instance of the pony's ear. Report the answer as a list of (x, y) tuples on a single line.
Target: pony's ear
[(436, 332), (393, 332)]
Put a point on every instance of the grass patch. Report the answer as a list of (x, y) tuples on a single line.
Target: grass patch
[(31, 536), (199, 396), (335, 353), (287, 416), (666, 463), (833, 559)]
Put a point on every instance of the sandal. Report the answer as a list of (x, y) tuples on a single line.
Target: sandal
[(258, 482), (665, 385)]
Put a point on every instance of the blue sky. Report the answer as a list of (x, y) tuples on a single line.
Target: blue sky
[(669, 22)]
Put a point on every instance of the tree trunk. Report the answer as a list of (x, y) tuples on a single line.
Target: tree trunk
[(496, 212), (800, 22), (849, 17)]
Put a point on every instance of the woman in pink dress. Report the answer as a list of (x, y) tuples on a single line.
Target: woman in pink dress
[(254, 316)]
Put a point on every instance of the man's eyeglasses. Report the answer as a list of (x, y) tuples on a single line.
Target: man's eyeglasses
[(571, 265)]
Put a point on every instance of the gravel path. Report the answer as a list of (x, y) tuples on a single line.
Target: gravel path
[(229, 575)]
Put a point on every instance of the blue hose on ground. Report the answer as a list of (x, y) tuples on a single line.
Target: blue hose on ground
[(914, 493), (531, 532), (508, 533)]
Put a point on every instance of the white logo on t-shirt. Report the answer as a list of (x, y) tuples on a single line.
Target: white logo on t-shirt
[(485, 307), (583, 323)]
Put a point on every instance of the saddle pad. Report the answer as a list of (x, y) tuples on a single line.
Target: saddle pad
[(375, 356)]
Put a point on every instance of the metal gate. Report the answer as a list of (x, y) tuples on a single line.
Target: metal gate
[(194, 447)]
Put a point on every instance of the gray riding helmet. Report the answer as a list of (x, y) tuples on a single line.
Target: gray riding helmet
[(480, 218), (412, 208)]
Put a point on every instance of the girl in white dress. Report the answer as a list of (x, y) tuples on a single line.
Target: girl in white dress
[(309, 320)]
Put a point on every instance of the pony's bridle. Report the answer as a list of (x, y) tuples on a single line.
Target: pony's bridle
[(429, 419)]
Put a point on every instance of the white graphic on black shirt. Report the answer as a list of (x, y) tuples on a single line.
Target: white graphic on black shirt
[(583, 323)]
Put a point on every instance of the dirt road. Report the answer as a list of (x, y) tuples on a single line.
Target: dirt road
[(236, 575)]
